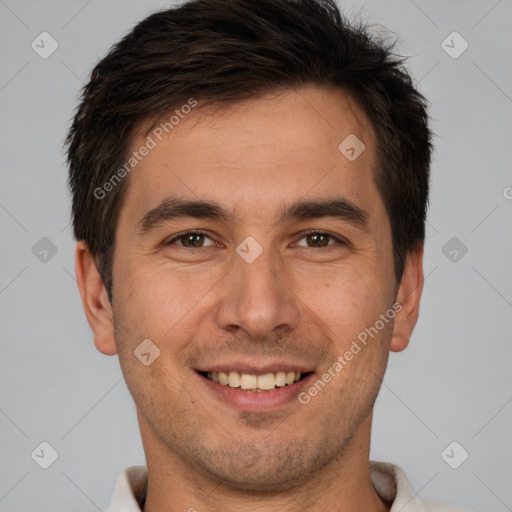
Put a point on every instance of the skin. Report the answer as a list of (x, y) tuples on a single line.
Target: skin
[(300, 300)]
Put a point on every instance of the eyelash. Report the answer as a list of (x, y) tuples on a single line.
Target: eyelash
[(302, 234)]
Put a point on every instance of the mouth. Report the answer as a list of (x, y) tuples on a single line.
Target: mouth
[(256, 386), (253, 383), (256, 390)]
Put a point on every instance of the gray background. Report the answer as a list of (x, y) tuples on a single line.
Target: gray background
[(453, 383)]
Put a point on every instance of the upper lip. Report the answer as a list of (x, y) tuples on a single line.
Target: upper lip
[(254, 368)]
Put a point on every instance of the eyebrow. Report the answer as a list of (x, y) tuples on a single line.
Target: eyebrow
[(172, 208)]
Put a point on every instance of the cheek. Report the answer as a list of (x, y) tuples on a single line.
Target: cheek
[(344, 300), (164, 303)]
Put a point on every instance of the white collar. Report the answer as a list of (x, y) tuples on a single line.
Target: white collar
[(389, 482)]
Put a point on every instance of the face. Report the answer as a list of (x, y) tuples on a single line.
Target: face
[(279, 273)]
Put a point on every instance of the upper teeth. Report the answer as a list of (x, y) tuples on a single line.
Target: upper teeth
[(247, 381)]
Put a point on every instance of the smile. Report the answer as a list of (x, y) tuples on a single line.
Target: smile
[(255, 383)]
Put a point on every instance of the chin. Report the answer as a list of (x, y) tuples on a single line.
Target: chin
[(266, 470)]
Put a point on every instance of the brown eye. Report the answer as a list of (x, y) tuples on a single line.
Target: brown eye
[(191, 240), (319, 239)]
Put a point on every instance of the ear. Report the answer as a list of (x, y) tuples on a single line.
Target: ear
[(409, 295), (95, 300)]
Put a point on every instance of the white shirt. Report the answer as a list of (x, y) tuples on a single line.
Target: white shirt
[(388, 480)]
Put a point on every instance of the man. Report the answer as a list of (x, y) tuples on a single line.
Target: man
[(250, 182)]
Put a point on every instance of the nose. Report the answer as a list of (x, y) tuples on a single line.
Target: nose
[(258, 297)]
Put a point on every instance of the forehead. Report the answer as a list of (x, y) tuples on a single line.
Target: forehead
[(257, 152)]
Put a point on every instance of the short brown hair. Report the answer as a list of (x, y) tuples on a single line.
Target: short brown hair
[(221, 50)]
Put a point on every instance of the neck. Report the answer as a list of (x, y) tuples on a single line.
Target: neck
[(344, 484)]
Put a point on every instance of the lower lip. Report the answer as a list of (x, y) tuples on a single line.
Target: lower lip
[(254, 401)]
